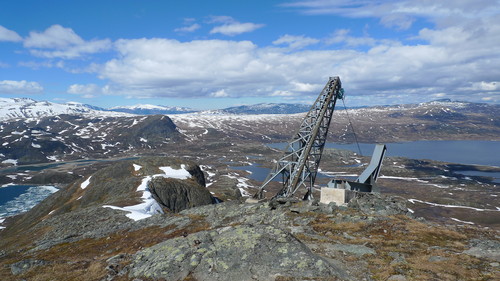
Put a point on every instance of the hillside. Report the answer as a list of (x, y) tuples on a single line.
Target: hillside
[(95, 229), (121, 216), (67, 137), (440, 120)]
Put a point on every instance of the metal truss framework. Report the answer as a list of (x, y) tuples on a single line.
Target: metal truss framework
[(299, 165)]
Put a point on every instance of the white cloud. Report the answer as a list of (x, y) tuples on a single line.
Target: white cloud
[(190, 28), (20, 87), (221, 19), (219, 94), (342, 36), (61, 42), (295, 42), (169, 68), (86, 91), (9, 35), (53, 37), (306, 87), (455, 59), (401, 14), (282, 94), (232, 29), (486, 86), (44, 64)]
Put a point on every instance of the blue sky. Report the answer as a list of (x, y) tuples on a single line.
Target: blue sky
[(214, 54)]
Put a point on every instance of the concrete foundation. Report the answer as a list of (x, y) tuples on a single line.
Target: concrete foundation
[(337, 195)]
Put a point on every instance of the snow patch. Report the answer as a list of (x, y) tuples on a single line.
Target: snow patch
[(402, 178), (85, 183), (181, 173), (147, 208), (137, 167), (457, 220), (35, 145), (10, 161), (451, 206), (52, 158)]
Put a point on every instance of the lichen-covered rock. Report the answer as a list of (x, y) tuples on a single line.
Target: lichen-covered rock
[(484, 249), (374, 203), (243, 252)]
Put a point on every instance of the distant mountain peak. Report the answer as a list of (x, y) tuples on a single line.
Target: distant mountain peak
[(148, 109), (263, 108), (11, 108)]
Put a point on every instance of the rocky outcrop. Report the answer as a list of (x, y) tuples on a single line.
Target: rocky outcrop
[(374, 203), (243, 252), (177, 195)]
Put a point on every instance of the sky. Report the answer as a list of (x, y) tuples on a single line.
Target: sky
[(220, 53)]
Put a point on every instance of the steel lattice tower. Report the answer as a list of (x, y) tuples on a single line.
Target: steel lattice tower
[(299, 165)]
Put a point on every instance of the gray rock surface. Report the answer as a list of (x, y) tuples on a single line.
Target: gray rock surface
[(374, 203), (358, 250), (484, 249), (25, 265), (243, 252)]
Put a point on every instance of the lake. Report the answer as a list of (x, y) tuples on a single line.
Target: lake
[(15, 199), (462, 152)]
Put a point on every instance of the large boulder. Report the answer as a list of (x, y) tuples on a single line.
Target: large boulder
[(177, 195)]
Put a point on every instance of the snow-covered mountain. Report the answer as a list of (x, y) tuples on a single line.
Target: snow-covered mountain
[(63, 137), (11, 108), (263, 108), (149, 109)]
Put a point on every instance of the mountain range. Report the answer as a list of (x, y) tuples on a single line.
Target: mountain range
[(11, 108), (113, 216)]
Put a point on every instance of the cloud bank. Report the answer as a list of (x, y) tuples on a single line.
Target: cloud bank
[(61, 42), (9, 35), (20, 87), (455, 58)]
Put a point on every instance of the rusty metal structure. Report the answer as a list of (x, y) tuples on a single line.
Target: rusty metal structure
[(299, 165)]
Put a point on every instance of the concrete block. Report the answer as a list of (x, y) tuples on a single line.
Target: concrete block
[(337, 195)]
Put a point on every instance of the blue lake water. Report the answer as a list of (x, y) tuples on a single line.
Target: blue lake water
[(12, 191), (15, 199), (461, 152), (259, 173), (485, 153)]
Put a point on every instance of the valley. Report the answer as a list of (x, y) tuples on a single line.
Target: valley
[(450, 211), (78, 145)]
